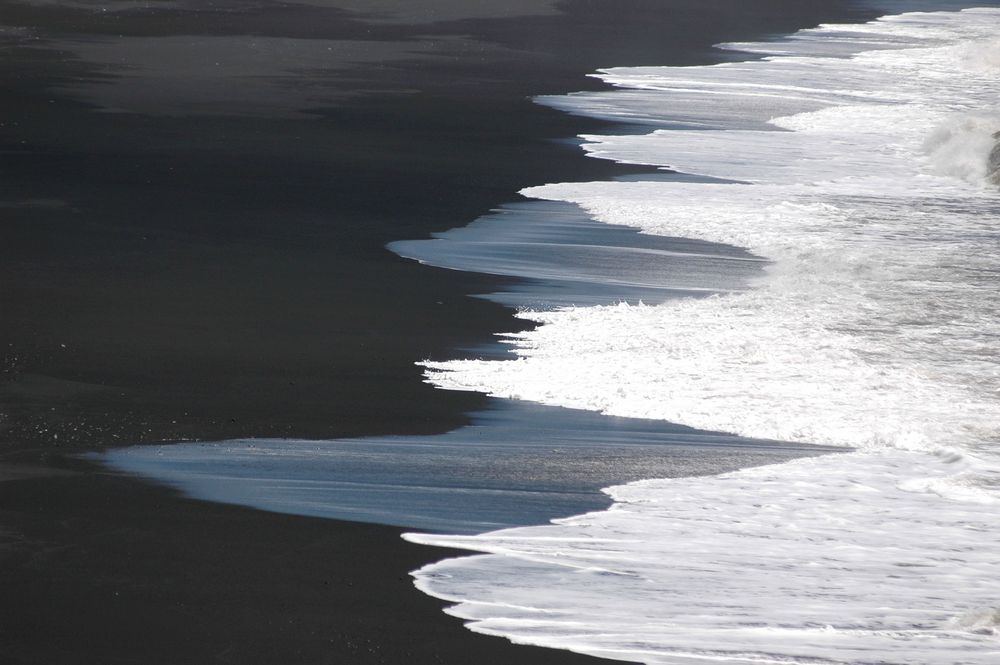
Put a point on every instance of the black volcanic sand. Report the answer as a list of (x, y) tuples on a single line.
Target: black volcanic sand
[(195, 204)]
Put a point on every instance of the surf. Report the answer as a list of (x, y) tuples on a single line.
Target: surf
[(855, 159)]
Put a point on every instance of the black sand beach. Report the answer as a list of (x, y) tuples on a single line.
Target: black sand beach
[(195, 204)]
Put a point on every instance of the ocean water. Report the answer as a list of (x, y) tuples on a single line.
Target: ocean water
[(516, 463), (854, 159), (563, 257)]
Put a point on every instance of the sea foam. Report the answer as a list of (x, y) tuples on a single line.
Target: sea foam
[(856, 159)]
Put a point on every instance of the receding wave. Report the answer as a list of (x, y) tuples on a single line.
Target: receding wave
[(858, 161), (561, 256)]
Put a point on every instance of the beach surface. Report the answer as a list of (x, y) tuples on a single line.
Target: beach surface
[(196, 205)]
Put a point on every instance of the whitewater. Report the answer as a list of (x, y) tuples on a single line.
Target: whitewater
[(855, 159)]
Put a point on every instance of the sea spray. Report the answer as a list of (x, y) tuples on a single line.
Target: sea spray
[(993, 161)]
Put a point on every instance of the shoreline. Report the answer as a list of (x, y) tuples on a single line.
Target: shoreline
[(133, 335), (516, 464), (310, 591)]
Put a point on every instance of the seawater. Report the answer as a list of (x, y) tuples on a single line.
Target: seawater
[(515, 463), (854, 158)]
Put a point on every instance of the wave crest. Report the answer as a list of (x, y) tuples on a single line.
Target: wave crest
[(966, 147)]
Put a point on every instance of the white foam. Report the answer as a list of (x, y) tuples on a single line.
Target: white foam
[(875, 327), (960, 147), (777, 564)]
